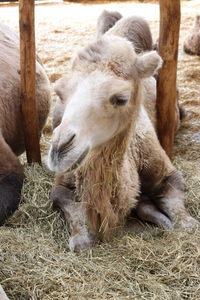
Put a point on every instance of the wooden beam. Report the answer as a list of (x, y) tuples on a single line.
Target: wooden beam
[(27, 65), (166, 83)]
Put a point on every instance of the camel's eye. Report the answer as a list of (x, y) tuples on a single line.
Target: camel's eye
[(118, 100)]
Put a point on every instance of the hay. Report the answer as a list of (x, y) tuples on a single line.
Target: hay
[(150, 263), (35, 262)]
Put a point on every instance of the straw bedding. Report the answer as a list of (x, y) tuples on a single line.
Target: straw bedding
[(144, 262)]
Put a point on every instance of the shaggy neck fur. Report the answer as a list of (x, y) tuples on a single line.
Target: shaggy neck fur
[(100, 183)]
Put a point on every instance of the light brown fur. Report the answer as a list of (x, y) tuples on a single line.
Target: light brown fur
[(11, 127)]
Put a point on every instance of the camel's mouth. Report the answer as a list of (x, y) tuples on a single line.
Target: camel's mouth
[(68, 162), (79, 160)]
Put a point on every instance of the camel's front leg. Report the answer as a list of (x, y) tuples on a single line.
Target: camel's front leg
[(165, 204), (162, 183), (147, 211), (75, 216), (170, 200)]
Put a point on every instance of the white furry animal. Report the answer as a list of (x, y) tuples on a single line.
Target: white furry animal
[(105, 150)]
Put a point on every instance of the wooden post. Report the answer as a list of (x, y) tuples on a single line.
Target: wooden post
[(166, 83), (27, 64)]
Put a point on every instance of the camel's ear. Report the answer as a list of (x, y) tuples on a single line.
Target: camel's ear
[(147, 64), (60, 87)]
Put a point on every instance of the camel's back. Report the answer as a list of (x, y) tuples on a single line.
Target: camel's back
[(10, 108), (9, 59), (9, 55)]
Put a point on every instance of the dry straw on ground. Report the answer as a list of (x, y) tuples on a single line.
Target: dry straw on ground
[(152, 263)]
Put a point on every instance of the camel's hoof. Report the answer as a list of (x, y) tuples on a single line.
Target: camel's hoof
[(164, 222), (147, 211), (80, 242), (187, 222)]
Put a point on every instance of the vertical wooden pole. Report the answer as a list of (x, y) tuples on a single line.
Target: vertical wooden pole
[(166, 83), (27, 65)]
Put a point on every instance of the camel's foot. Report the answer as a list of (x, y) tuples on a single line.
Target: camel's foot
[(147, 211), (186, 222), (80, 242)]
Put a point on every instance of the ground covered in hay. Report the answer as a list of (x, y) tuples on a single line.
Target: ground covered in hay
[(35, 262)]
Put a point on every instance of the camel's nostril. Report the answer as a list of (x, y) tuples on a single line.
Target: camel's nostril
[(67, 146), (58, 152)]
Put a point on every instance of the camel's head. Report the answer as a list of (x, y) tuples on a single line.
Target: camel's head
[(101, 98)]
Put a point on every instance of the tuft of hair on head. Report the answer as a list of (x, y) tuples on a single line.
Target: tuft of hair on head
[(92, 52), (147, 64)]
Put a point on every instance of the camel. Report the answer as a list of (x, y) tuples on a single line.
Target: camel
[(191, 43), (11, 127), (105, 150)]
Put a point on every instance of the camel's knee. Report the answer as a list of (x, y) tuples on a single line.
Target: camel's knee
[(75, 216), (11, 180), (170, 200), (61, 196), (174, 182), (147, 211), (10, 194), (172, 187)]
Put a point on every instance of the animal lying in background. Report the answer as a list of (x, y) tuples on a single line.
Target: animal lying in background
[(11, 127), (191, 43), (105, 150)]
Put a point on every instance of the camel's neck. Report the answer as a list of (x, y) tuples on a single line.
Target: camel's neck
[(98, 182), (107, 160), (101, 176)]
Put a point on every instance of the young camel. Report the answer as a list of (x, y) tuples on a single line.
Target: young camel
[(105, 150), (11, 127)]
